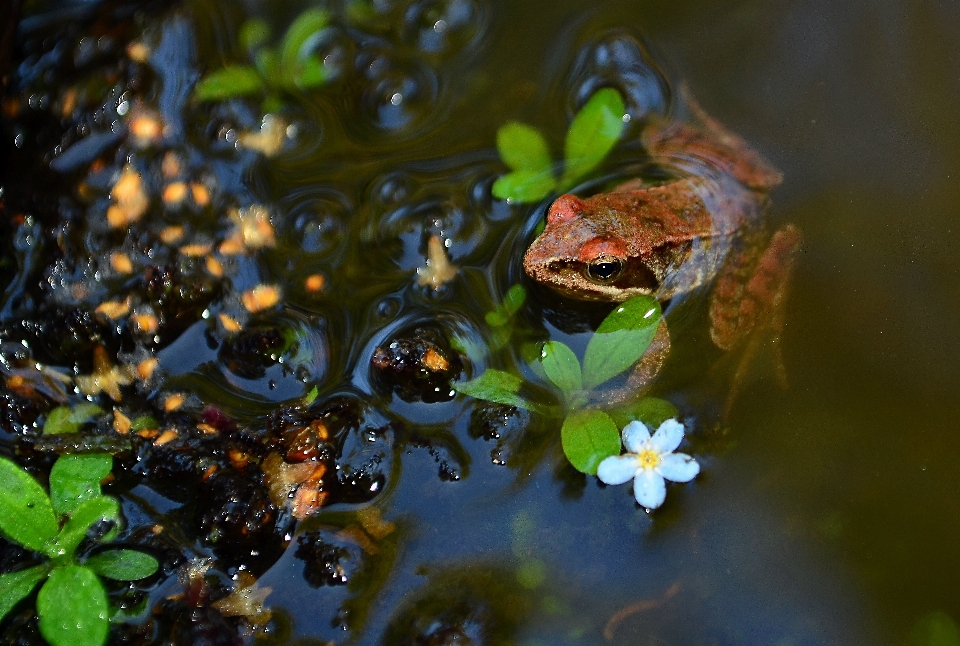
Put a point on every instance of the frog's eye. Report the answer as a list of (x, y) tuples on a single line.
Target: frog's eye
[(605, 269)]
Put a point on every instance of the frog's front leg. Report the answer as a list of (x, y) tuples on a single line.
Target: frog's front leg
[(749, 298)]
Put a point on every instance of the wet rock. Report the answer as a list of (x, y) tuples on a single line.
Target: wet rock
[(416, 365)]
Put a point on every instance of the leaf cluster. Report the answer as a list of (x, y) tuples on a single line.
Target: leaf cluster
[(292, 65), (588, 435), (72, 603), (591, 136)]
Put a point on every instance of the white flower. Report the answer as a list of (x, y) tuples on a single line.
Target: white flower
[(649, 460)]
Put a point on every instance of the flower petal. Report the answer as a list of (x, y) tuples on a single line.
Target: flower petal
[(635, 435), (617, 469), (650, 489), (678, 467), (668, 436)]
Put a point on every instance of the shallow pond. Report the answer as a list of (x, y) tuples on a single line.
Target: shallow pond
[(272, 293)]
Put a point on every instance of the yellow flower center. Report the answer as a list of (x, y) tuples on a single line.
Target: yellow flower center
[(648, 459)]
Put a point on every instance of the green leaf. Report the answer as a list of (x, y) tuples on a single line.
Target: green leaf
[(650, 410), (253, 34), (87, 513), (523, 148), (588, 437), (935, 629), (63, 419), (592, 135), (561, 366), (226, 83), (312, 73), (269, 66), (17, 585), (299, 33), (76, 478), (620, 340), (26, 514), (144, 422), (495, 386), (524, 186), (72, 606), (512, 301), (123, 565)]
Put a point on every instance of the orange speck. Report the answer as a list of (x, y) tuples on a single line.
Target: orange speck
[(146, 367), (174, 193), (148, 434), (115, 217), (314, 282), (171, 234), (170, 165), (229, 323), (165, 437), (121, 423), (206, 429), (433, 360), (121, 263), (260, 298), (114, 309), (146, 129), (214, 267), (146, 323), (209, 472), (201, 194), (173, 402), (195, 250), (138, 52)]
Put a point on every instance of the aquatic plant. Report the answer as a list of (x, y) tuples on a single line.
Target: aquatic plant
[(291, 67), (591, 136), (588, 435), (72, 603)]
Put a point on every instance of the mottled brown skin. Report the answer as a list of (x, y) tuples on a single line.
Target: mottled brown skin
[(705, 228)]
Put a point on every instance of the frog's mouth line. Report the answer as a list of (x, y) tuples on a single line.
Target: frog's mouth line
[(572, 278)]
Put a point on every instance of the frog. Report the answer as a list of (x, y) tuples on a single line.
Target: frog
[(704, 228)]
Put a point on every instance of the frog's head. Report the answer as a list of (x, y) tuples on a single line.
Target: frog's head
[(585, 252)]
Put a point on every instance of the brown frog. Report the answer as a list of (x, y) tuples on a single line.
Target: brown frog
[(704, 229)]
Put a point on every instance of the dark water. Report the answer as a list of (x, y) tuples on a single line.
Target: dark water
[(825, 514)]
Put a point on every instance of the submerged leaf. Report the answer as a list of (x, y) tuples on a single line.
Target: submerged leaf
[(123, 565), (298, 35), (76, 478), (592, 135), (14, 586), (72, 606), (561, 366), (254, 33), (229, 82), (620, 340), (524, 185), (523, 148), (588, 437), (495, 386), (26, 514), (63, 419), (650, 410)]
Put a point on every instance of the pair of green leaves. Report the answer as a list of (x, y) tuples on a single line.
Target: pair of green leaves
[(591, 136), (72, 604), (292, 66), (588, 435)]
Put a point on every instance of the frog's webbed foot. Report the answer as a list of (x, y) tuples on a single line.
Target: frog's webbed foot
[(748, 303)]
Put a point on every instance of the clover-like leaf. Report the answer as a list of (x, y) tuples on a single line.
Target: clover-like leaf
[(513, 300), (72, 607), (650, 410), (561, 366), (621, 340), (14, 586), (588, 437), (63, 419), (88, 513), (76, 478), (524, 185), (228, 82), (299, 34), (253, 34), (495, 386), (123, 565), (592, 135), (26, 514), (522, 147)]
